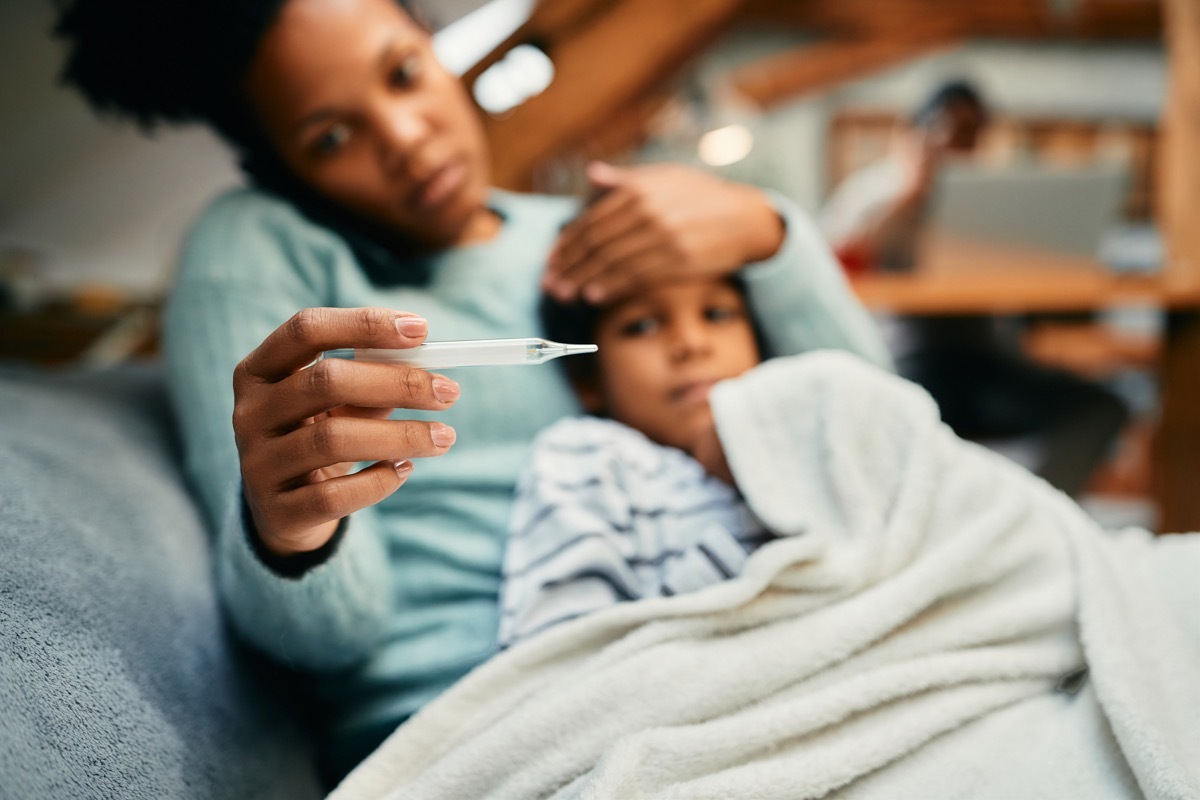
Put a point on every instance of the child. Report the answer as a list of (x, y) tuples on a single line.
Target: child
[(635, 501)]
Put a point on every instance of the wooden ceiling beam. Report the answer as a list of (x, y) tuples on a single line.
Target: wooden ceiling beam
[(1038, 19), (871, 35), (624, 50), (819, 67)]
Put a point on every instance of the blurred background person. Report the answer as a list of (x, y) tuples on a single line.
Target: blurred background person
[(972, 365)]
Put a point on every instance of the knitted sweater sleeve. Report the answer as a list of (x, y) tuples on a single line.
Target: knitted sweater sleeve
[(802, 299)]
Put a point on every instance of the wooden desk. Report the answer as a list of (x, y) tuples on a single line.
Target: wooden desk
[(958, 277)]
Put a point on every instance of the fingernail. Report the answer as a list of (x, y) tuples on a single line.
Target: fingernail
[(593, 293), (442, 435), (412, 327), (403, 467), (445, 390), (563, 291)]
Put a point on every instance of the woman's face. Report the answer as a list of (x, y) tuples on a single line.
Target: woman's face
[(351, 96)]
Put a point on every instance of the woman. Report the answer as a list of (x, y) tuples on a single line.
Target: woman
[(370, 192)]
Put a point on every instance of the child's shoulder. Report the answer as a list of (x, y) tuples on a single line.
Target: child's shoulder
[(587, 433), (598, 441)]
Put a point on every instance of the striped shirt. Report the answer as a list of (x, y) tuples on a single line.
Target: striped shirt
[(604, 515)]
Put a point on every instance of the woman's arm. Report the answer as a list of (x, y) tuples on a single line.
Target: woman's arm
[(269, 445), (801, 297)]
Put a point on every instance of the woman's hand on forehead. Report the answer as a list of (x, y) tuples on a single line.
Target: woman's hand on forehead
[(652, 223)]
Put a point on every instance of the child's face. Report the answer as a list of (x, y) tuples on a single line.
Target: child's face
[(351, 96), (662, 350)]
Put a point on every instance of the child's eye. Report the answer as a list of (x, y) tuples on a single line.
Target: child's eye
[(722, 313), (332, 140), (641, 326), (405, 73)]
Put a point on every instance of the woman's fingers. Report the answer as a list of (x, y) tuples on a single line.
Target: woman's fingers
[(332, 383), (648, 266), (339, 497), (362, 412), (333, 440), (609, 256), (615, 215), (303, 337), (297, 485), (305, 514)]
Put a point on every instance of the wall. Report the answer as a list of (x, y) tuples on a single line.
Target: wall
[(94, 201)]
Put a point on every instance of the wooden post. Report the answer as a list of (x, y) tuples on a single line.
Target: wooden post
[(1177, 449)]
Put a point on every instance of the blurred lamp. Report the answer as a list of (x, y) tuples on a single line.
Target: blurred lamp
[(725, 146)]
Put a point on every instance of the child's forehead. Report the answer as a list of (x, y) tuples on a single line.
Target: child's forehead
[(673, 290)]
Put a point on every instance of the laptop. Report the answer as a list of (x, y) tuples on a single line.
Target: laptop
[(1061, 209)]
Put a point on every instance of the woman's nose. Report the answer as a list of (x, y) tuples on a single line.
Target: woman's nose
[(402, 132)]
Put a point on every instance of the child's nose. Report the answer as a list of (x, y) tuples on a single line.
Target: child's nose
[(692, 340)]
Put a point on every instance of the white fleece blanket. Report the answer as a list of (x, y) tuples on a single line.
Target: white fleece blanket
[(918, 631)]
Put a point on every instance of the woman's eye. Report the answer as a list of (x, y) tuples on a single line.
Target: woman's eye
[(641, 326), (406, 72), (332, 140)]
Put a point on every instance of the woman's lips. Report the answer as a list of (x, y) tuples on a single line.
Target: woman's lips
[(439, 187)]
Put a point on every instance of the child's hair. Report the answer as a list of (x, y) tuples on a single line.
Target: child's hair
[(572, 323), (576, 323)]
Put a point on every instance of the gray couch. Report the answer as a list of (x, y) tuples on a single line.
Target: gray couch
[(118, 677)]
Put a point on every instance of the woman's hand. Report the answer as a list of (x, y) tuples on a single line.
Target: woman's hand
[(301, 431), (655, 222)]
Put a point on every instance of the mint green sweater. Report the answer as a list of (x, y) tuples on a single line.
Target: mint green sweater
[(408, 601)]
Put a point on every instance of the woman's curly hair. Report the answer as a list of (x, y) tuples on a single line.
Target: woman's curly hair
[(166, 61)]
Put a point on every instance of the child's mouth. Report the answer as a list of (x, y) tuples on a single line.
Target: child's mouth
[(691, 393)]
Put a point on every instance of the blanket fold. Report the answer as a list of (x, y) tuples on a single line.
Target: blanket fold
[(924, 594)]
